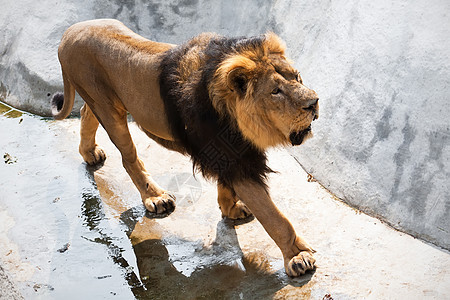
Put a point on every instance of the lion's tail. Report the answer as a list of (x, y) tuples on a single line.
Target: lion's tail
[(62, 104)]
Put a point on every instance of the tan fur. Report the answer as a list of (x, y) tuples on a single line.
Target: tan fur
[(230, 205), (117, 71)]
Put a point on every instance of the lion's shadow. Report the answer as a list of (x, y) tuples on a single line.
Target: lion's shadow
[(248, 276)]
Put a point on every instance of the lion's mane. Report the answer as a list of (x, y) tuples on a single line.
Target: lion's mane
[(213, 140)]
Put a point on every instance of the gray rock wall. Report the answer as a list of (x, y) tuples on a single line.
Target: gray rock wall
[(381, 68)]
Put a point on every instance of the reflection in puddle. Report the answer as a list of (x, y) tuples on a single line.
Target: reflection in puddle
[(173, 267), (94, 216), (91, 209)]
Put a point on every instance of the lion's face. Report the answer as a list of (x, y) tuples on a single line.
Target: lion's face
[(281, 99), (267, 97)]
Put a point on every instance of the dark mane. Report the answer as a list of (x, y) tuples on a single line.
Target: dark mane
[(216, 146)]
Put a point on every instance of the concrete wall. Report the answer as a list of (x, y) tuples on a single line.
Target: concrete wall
[(381, 68)]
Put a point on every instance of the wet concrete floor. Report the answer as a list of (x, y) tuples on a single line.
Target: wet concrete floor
[(75, 232)]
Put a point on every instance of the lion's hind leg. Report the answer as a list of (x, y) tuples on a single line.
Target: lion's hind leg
[(113, 117), (89, 150), (230, 205)]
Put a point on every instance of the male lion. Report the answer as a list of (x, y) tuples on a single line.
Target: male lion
[(223, 101)]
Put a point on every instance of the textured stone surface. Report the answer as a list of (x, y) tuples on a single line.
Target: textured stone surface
[(8, 290), (381, 68)]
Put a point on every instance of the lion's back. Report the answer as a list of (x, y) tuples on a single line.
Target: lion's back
[(104, 35)]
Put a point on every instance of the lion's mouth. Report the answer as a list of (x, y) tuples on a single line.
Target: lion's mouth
[(297, 138)]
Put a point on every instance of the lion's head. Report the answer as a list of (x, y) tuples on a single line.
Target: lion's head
[(259, 88)]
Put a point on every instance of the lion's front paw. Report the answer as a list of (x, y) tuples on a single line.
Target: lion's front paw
[(238, 211), (299, 264), (93, 156), (160, 204)]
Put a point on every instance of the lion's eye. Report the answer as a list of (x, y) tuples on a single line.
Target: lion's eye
[(276, 91)]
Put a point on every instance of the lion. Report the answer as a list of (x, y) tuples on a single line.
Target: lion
[(222, 101)]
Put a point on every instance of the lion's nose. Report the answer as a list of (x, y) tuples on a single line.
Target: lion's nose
[(311, 104)]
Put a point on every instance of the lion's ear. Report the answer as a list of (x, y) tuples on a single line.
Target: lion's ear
[(235, 72), (237, 80)]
